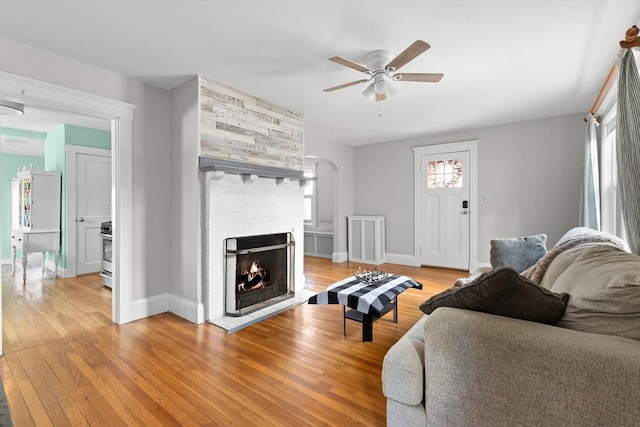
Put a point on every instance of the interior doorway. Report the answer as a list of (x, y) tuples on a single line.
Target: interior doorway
[(327, 201), (28, 91)]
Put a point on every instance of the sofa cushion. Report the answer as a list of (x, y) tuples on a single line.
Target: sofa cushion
[(558, 266), (518, 253), (503, 292), (403, 367), (579, 236), (604, 284)]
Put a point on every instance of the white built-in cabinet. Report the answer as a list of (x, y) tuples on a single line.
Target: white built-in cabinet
[(35, 215), (366, 239)]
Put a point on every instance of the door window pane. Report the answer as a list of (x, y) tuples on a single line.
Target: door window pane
[(444, 173)]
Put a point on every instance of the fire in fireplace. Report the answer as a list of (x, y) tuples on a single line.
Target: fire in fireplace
[(259, 271), (253, 279)]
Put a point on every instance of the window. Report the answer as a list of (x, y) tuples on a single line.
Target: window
[(444, 174), (310, 196), (611, 212), (610, 206)]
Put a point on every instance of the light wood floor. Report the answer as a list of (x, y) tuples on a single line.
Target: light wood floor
[(65, 363)]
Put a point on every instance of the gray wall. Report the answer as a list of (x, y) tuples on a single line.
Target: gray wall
[(186, 276), (530, 171), (340, 156), (324, 195), (150, 151)]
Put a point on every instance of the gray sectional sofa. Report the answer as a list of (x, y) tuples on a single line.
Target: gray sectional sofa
[(458, 367)]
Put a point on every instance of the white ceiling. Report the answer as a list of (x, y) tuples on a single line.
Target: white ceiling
[(503, 61)]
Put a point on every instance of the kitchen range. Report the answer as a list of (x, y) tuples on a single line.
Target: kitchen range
[(107, 258)]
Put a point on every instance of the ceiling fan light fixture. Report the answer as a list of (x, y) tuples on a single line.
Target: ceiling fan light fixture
[(8, 108), (391, 91), (380, 84), (370, 92)]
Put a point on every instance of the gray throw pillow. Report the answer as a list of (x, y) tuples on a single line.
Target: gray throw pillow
[(518, 253), (505, 293)]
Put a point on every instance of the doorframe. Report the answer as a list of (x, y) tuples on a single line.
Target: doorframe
[(34, 92), (71, 154), (427, 150)]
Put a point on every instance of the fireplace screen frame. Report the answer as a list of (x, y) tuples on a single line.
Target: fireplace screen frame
[(231, 253)]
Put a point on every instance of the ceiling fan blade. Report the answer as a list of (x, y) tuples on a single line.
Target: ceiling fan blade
[(408, 54), (381, 97), (331, 89), (348, 63), (418, 77)]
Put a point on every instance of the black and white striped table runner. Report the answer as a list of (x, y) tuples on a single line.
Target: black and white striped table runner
[(365, 298)]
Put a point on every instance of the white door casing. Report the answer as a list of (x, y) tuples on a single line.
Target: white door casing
[(445, 220), (446, 230), (93, 206), (33, 92)]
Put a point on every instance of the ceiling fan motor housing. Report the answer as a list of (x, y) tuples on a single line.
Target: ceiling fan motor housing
[(378, 60)]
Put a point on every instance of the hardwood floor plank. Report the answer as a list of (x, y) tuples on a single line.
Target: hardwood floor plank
[(59, 408), (76, 386), (66, 364), (37, 411), (179, 409)]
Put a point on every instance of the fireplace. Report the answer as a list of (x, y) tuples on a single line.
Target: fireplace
[(247, 200), (259, 271)]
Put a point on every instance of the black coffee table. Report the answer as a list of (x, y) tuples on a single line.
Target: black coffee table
[(368, 302)]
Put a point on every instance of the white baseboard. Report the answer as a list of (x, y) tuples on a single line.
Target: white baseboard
[(62, 272), (402, 259), (340, 257), (144, 308), (474, 265), (412, 261), (186, 309)]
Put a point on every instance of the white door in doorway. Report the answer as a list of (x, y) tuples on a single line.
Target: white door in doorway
[(444, 205), (93, 206)]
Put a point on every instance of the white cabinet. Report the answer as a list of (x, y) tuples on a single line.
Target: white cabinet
[(366, 239), (35, 215)]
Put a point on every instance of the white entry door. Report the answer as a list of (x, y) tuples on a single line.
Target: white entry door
[(445, 206), (93, 207)]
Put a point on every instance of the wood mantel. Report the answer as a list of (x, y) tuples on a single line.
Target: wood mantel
[(206, 164)]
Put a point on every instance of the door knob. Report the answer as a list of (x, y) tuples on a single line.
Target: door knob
[(80, 219)]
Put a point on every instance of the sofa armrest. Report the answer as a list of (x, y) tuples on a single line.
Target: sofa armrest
[(403, 367), (482, 369)]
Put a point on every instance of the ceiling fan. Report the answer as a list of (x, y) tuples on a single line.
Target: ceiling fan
[(381, 66)]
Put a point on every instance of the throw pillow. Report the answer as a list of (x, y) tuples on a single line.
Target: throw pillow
[(604, 282), (505, 293), (518, 253)]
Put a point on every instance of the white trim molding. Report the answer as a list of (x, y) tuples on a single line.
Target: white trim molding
[(339, 257), (33, 92), (402, 259)]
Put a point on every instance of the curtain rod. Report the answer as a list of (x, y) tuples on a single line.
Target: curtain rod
[(631, 40)]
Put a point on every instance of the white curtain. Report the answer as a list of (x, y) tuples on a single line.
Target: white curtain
[(628, 148), (590, 197)]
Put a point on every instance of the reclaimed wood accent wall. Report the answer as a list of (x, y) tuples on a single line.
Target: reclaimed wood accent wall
[(240, 127)]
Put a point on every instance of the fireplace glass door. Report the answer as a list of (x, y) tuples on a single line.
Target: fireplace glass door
[(258, 272)]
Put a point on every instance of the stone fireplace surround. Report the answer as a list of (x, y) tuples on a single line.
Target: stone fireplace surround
[(242, 199)]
